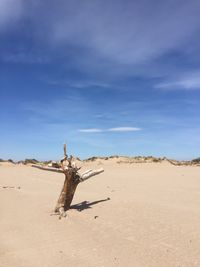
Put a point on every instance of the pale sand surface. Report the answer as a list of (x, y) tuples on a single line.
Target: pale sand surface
[(151, 219)]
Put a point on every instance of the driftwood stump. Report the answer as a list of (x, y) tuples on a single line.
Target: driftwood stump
[(72, 179)]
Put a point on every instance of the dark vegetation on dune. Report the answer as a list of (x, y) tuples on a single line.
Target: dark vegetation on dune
[(196, 161), (8, 160), (120, 159)]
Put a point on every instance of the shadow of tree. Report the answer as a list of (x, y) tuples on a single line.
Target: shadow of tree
[(86, 204)]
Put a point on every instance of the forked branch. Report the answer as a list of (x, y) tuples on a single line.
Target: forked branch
[(72, 178), (83, 177)]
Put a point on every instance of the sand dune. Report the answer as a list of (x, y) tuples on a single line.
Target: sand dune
[(130, 215)]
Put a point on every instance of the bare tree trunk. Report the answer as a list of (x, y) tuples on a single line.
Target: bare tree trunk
[(67, 192), (72, 179)]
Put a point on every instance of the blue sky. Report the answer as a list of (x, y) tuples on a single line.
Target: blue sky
[(107, 77)]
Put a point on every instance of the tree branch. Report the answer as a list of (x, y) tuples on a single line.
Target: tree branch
[(52, 169), (86, 175)]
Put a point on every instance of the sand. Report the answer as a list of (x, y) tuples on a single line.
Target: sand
[(151, 219)]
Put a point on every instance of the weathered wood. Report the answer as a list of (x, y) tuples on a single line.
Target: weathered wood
[(72, 179), (88, 174), (67, 192), (65, 151), (52, 169), (83, 177)]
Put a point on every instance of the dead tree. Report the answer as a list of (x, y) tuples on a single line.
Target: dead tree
[(72, 179)]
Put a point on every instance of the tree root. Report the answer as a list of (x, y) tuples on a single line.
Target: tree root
[(62, 213)]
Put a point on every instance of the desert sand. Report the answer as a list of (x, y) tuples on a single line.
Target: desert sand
[(135, 215)]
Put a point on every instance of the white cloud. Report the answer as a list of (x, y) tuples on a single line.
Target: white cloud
[(185, 81), (91, 130), (117, 129), (124, 129)]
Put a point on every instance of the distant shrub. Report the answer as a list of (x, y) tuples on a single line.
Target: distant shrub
[(197, 160), (91, 159), (32, 161), (156, 160)]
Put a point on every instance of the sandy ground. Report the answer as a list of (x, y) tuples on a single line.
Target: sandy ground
[(151, 219)]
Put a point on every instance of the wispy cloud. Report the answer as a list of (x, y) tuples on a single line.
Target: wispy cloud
[(91, 130), (24, 58), (78, 83), (164, 28), (124, 129), (10, 11), (117, 129), (98, 35), (185, 81), (71, 107)]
